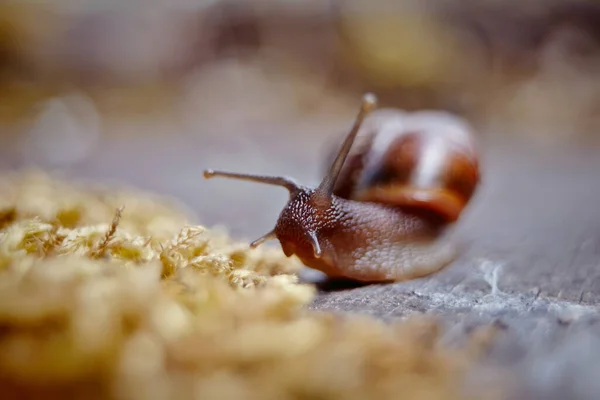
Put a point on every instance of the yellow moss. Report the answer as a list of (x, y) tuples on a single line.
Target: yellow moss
[(138, 310)]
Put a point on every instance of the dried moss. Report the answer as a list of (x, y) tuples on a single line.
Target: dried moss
[(150, 307)]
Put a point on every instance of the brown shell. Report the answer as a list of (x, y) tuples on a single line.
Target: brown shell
[(423, 161)]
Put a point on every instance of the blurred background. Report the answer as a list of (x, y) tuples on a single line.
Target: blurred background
[(151, 96)]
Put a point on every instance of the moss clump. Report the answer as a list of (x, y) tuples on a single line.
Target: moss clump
[(150, 307)]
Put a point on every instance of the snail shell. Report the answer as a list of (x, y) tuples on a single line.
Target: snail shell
[(422, 161)]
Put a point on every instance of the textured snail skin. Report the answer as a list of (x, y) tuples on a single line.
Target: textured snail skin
[(362, 241)]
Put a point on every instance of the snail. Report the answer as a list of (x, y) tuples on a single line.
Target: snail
[(381, 211)]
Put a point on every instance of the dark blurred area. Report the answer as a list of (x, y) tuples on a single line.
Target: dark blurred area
[(150, 96)]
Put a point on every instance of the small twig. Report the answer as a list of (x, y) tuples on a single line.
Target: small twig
[(100, 250)]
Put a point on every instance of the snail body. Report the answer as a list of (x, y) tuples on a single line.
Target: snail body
[(379, 213)]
